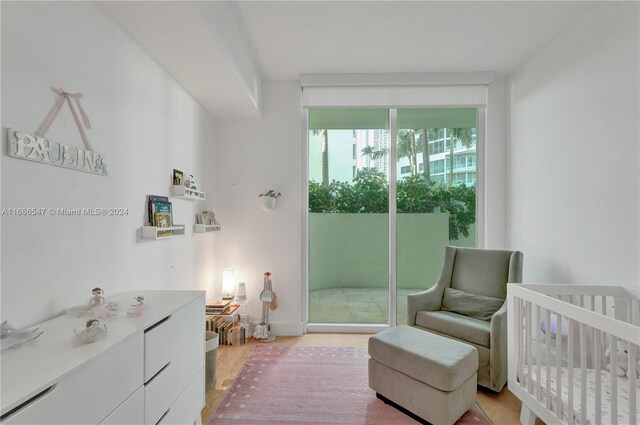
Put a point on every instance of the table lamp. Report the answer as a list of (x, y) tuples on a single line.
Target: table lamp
[(228, 284)]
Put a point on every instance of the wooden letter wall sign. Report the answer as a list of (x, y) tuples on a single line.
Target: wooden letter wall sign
[(35, 148)]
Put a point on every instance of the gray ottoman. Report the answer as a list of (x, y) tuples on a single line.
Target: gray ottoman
[(431, 376)]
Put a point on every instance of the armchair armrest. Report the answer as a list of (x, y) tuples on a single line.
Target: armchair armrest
[(429, 300), (498, 348)]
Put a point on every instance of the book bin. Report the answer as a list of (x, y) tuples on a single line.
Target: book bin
[(210, 359)]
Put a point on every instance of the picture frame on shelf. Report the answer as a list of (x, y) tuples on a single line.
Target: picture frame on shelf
[(178, 177), (209, 217)]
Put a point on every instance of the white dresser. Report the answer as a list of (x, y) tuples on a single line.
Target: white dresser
[(147, 370)]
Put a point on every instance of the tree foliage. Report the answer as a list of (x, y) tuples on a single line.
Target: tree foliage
[(369, 193), (374, 153)]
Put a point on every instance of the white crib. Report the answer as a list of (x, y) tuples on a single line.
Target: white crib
[(558, 340)]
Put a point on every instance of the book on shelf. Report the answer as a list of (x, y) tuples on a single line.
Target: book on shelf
[(219, 304), (229, 332), (226, 330), (160, 213), (162, 218), (228, 313), (218, 307), (151, 206)]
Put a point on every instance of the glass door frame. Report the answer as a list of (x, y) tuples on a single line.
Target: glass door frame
[(392, 166)]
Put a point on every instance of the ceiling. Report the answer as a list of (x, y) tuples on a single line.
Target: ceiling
[(198, 43), (419, 36)]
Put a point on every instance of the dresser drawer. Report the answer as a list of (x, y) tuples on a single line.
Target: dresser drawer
[(163, 390), (169, 336), (188, 406), (89, 394), (131, 412)]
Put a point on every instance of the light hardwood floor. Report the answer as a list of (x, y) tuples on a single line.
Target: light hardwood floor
[(502, 408)]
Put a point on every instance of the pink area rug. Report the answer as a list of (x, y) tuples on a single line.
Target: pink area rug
[(310, 385)]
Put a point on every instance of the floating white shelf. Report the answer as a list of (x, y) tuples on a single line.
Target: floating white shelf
[(152, 232), (185, 192), (206, 228)]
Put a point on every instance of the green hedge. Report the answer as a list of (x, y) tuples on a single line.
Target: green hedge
[(369, 193)]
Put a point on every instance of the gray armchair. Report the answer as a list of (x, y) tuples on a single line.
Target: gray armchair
[(481, 273)]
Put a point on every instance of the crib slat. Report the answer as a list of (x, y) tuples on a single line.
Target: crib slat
[(614, 380), (581, 300), (538, 353), (597, 345), (547, 339), (521, 342), (523, 346), (570, 350), (529, 348), (583, 373), (592, 304), (559, 366), (632, 383)]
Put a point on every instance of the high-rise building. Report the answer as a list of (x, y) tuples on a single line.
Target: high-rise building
[(440, 153), (353, 150)]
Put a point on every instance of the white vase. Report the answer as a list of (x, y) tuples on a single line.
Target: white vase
[(268, 203)]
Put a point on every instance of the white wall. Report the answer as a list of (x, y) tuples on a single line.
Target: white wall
[(573, 195), (143, 121), (255, 155), (492, 209)]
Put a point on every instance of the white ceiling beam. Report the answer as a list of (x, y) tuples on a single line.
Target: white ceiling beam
[(222, 22)]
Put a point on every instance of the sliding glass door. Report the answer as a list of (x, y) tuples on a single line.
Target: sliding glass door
[(348, 268), (418, 163), (436, 196)]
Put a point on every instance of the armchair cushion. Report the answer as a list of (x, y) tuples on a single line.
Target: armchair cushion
[(477, 306), (456, 325), (480, 271)]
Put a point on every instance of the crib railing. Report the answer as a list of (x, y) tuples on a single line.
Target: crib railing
[(569, 327)]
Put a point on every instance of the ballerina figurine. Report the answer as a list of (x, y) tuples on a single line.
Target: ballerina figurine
[(92, 331), (138, 309), (97, 296)]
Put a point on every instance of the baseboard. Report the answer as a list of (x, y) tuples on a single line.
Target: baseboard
[(286, 329)]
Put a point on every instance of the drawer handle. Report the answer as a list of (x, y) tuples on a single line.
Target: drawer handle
[(163, 416), (28, 402), (158, 323), (157, 373)]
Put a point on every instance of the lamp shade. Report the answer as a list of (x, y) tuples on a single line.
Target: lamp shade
[(228, 284), (241, 292)]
